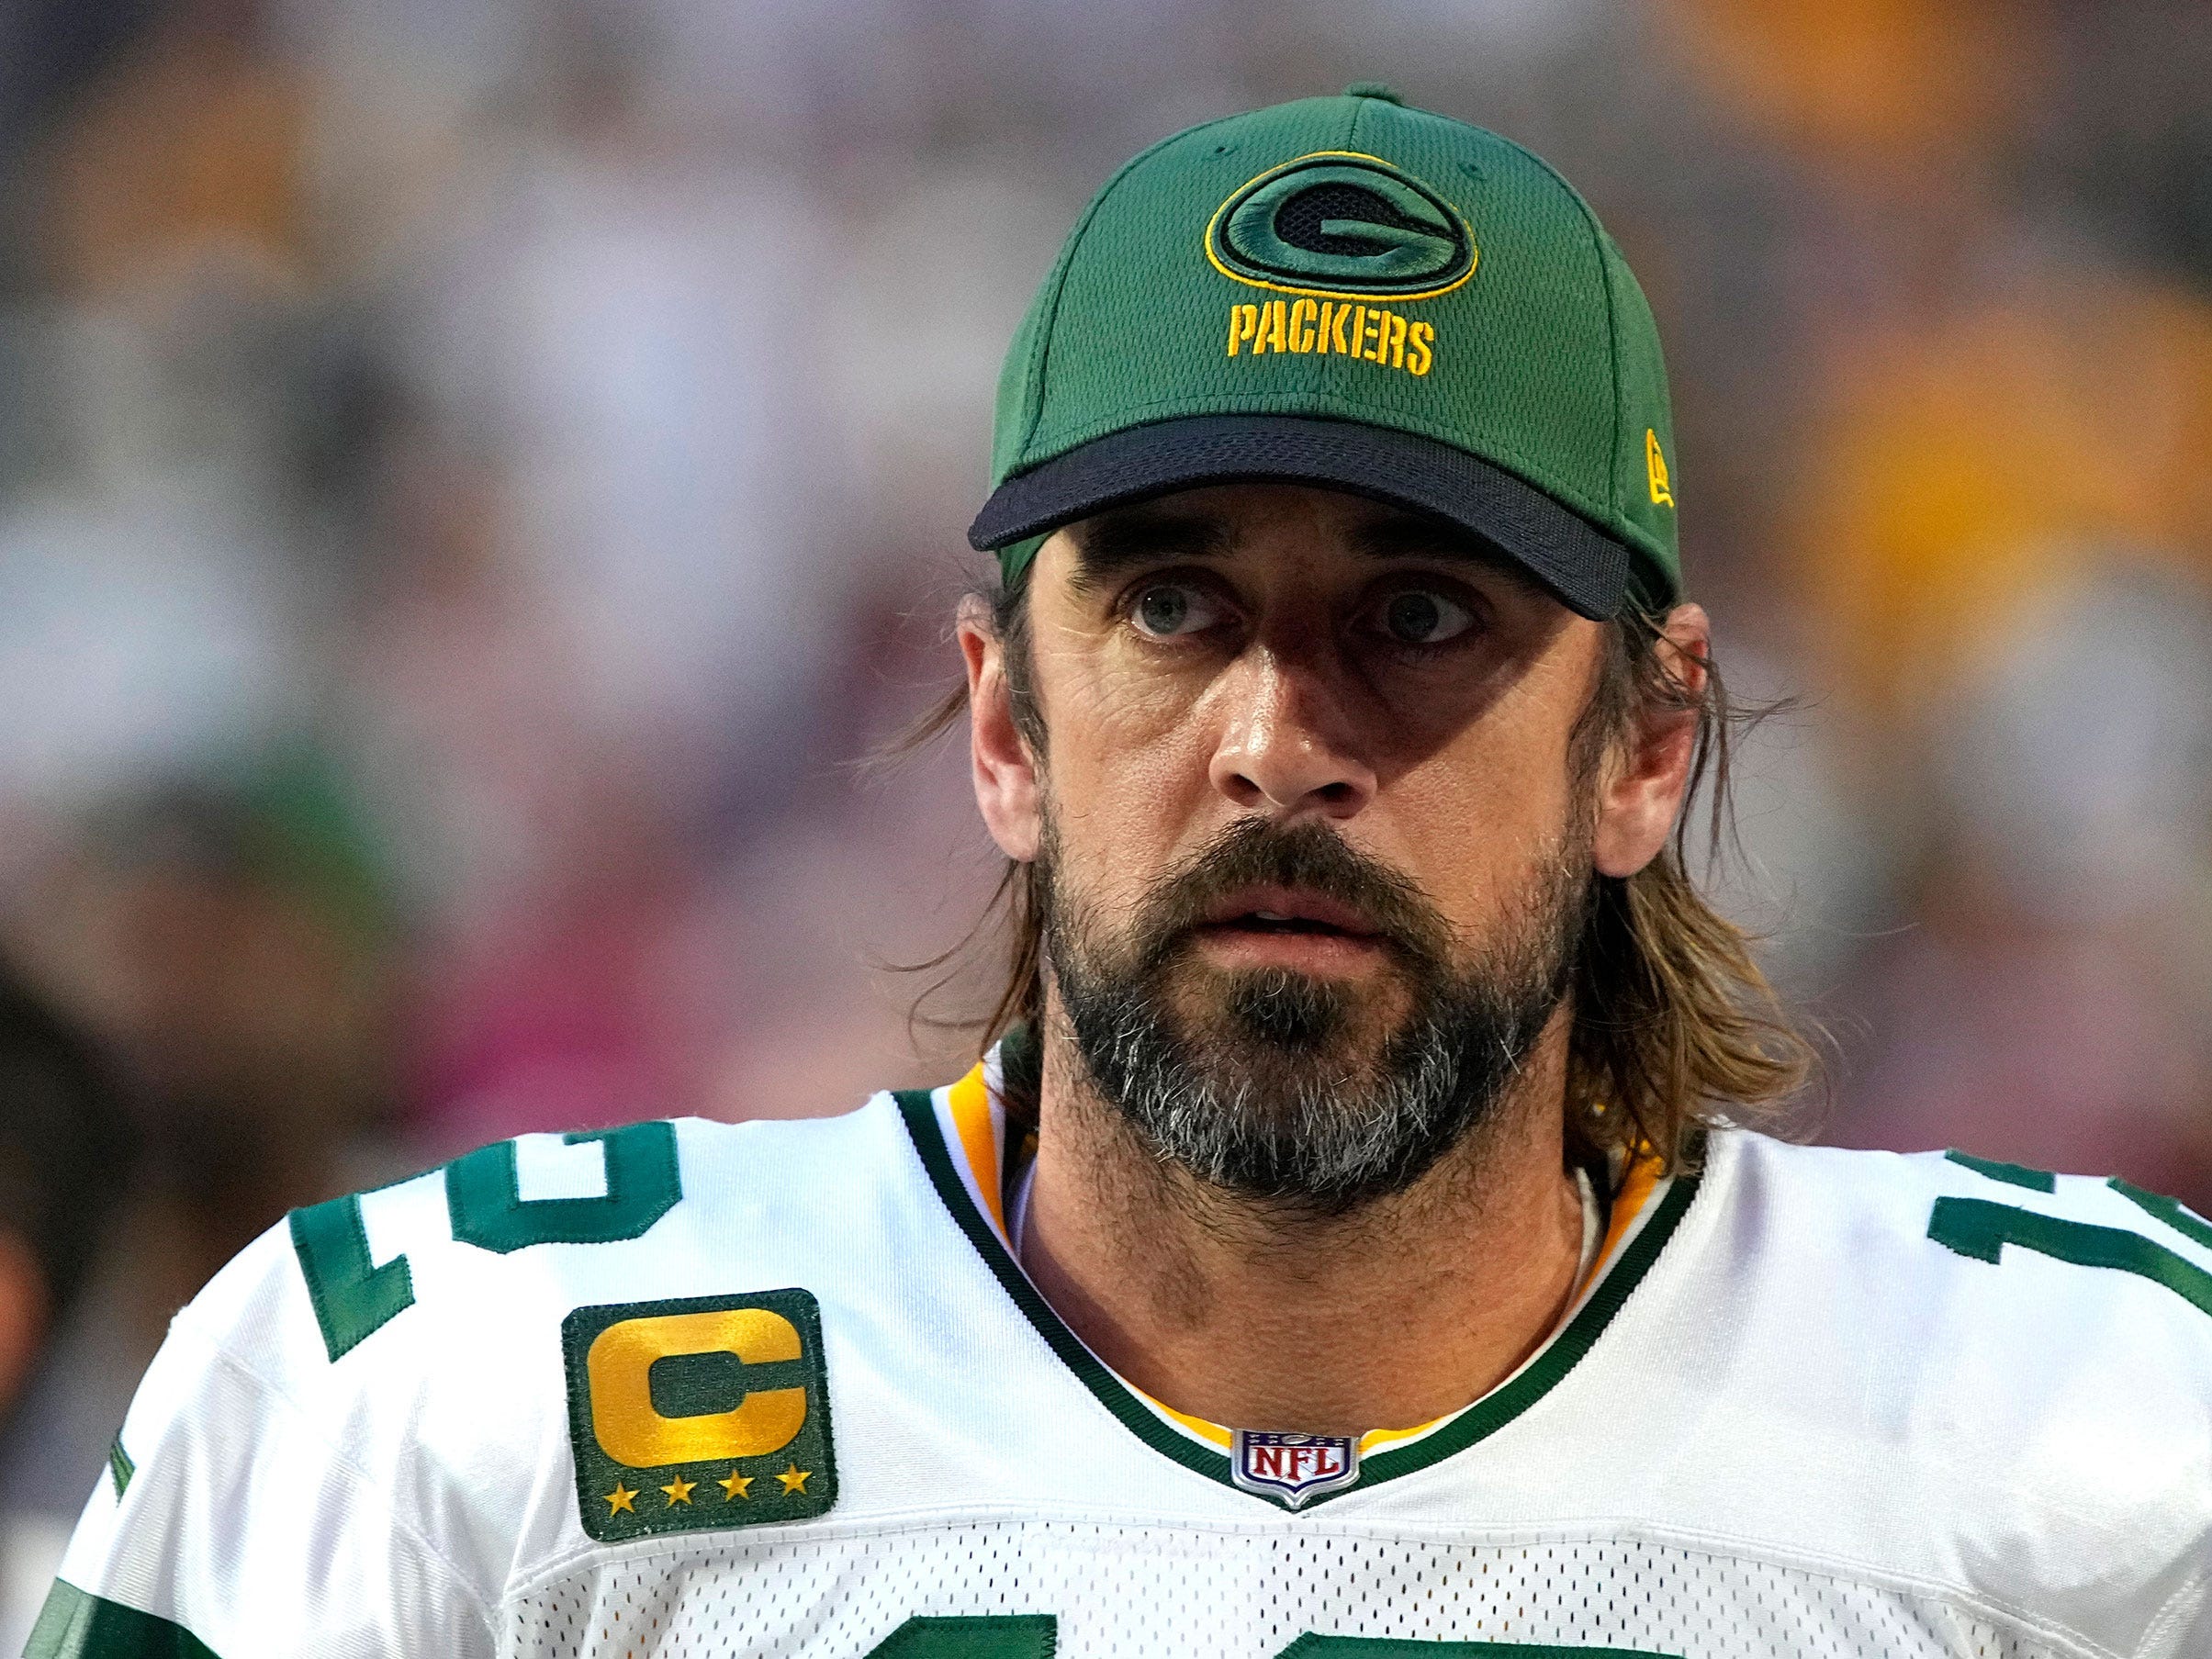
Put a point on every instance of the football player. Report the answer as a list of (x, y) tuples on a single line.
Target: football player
[(1360, 1241)]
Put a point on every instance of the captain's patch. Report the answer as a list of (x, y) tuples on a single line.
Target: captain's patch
[(699, 1414)]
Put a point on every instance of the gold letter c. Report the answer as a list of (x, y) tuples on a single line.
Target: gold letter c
[(621, 1360)]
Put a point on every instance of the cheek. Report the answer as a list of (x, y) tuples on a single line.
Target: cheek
[(1483, 818), (1128, 771)]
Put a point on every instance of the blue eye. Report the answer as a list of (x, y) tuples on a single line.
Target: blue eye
[(1168, 609), (1161, 609), (1422, 616)]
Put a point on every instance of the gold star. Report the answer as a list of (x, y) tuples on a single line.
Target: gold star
[(794, 1479), (735, 1486), (679, 1490), (619, 1499)]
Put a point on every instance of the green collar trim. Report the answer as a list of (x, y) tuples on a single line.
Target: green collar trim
[(1478, 1422), (920, 1111)]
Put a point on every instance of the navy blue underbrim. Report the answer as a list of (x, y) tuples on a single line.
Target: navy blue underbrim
[(1584, 568)]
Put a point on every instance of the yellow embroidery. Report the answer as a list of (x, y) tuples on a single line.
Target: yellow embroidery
[(621, 1360), (679, 1490), (795, 1478), (1418, 356), (1206, 242), (1302, 328), (1654, 464), (1271, 328), (736, 1485), (619, 1499)]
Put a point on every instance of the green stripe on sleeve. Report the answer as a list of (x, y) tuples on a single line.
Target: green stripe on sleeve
[(74, 1625), (120, 1466)]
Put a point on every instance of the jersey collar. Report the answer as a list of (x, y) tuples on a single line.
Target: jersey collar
[(960, 1133)]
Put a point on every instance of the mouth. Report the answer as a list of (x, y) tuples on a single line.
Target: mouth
[(1288, 909), (1282, 927)]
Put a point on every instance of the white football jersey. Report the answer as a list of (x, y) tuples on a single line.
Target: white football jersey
[(781, 1389)]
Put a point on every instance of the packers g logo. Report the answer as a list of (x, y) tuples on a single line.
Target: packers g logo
[(704, 1413), (1342, 225)]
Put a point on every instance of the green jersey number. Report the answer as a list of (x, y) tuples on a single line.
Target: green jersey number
[(354, 1300), (1976, 1228), (1000, 1636), (488, 1210), (1035, 1635)]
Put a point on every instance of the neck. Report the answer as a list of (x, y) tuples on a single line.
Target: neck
[(1253, 1315)]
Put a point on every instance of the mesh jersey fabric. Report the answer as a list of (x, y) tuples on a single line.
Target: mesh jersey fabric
[(1784, 1419)]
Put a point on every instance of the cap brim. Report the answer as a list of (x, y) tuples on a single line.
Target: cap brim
[(1587, 569)]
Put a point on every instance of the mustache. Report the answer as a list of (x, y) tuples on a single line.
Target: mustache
[(1307, 857)]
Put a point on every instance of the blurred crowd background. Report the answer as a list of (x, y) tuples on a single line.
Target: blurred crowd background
[(476, 474)]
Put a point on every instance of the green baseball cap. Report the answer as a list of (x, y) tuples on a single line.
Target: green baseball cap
[(1349, 292)]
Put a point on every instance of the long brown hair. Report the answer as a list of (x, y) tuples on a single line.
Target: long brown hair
[(1675, 1024)]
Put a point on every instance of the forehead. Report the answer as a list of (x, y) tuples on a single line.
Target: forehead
[(1261, 522)]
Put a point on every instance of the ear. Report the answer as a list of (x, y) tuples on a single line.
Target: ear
[(1004, 771), (1640, 788)]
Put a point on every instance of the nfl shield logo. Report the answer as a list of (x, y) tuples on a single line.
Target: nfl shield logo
[(1292, 1467)]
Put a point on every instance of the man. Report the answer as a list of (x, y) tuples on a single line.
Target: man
[(1348, 1249)]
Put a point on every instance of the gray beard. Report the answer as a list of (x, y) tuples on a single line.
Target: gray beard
[(1274, 1092)]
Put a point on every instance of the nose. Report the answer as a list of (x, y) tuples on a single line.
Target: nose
[(1284, 749)]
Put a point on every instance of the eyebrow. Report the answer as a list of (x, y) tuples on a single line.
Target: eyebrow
[(1123, 539), (1114, 542)]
